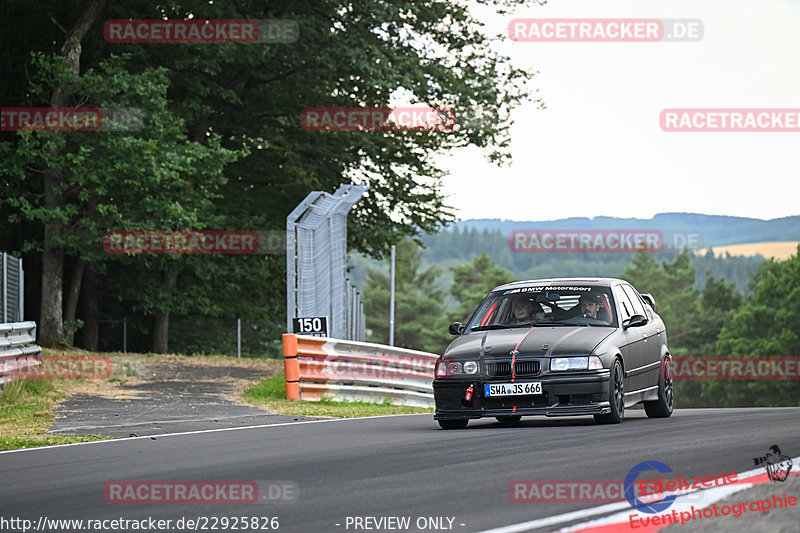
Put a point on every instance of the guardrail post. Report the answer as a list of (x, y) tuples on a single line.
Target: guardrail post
[(291, 366)]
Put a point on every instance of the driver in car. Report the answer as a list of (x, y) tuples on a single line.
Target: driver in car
[(590, 305)]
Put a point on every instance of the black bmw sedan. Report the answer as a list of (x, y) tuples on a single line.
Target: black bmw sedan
[(556, 347)]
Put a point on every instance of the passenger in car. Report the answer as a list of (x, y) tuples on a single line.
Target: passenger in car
[(524, 311)]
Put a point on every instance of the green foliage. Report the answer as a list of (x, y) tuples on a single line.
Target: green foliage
[(420, 319), (472, 282), (767, 324), (671, 284), (457, 245), (221, 145)]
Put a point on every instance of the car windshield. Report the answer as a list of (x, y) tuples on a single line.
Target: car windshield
[(568, 305)]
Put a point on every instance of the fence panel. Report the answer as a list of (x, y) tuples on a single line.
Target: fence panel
[(11, 289)]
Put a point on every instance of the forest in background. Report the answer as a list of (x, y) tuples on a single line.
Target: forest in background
[(713, 320)]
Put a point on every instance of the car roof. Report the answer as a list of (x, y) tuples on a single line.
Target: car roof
[(602, 282)]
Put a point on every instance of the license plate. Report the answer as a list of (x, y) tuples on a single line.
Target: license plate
[(512, 389)]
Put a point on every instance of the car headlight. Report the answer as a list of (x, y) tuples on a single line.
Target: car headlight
[(447, 368), (470, 367), (563, 364)]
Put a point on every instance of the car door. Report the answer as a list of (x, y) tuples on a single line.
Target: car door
[(629, 348), (649, 344)]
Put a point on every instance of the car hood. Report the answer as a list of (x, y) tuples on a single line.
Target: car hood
[(539, 340)]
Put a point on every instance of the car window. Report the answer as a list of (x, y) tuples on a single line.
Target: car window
[(635, 299), (624, 303), (547, 304)]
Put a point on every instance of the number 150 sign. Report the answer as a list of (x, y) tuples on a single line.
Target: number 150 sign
[(314, 325)]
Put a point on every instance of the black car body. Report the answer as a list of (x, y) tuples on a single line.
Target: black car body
[(561, 361)]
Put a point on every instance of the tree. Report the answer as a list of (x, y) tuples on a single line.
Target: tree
[(245, 99), (767, 324), (420, 319), (471, 283), (671, 285)]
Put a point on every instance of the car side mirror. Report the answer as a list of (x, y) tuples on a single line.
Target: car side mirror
[(634, 322), (456, 328), (648, 299)]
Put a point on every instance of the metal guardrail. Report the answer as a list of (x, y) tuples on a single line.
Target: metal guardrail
[(18, 349), (322, 368)]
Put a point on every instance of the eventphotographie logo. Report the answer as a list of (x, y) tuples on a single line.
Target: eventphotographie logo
[(775, 463)]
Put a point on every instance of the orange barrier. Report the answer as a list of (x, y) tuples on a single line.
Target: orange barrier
[(318, 368)]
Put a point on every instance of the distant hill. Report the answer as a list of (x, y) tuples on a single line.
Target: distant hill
[(715, 230)]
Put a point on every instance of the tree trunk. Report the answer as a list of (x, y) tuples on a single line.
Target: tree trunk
[(73, 292), (91, 324), (161, 320), (51, 321), (51, 324)]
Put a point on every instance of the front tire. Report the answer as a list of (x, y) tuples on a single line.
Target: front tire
[(453, 424), (662, 408), (616, 396)]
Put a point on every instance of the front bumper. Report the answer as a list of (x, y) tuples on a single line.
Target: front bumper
[(562, 395)]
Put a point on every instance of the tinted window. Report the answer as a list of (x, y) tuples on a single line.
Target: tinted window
[(544, 304), (625, 305), (638, 305)]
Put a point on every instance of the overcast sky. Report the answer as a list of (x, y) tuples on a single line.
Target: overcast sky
[(598, 148)]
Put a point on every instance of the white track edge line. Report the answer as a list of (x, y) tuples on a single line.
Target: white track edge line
[(279, 424)]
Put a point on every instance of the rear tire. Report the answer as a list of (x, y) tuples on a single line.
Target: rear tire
[(453, 424), (662, 408), (509, 420), (616, 396)]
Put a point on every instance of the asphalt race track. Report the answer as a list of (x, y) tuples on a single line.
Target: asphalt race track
[(399, 466)]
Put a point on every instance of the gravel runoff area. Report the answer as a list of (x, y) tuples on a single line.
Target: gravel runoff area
[(167, 394), (775, 520)]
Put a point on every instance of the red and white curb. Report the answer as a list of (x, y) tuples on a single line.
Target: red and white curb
[(619, 521)]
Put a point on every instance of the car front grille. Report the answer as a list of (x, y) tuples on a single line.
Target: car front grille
[(527, 368), (498, 369), (521, 368)]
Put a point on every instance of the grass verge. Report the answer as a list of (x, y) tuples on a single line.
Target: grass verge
[(25, 414), (270, 393)]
